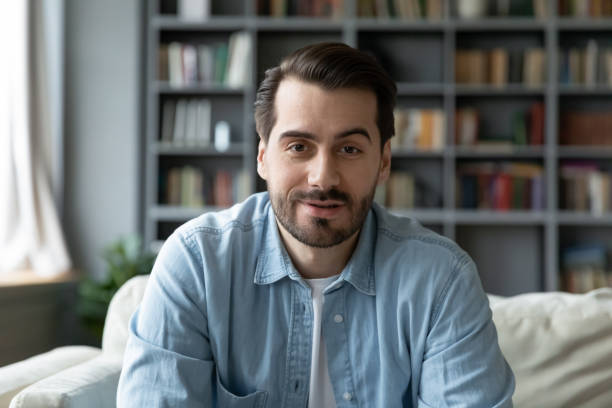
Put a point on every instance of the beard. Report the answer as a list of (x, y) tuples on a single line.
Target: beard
[(318, 232)]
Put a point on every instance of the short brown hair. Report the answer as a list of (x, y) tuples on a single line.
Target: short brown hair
[(332, 66)]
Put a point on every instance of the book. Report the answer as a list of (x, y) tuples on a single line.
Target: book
[(241, 183), (585, 267), (500, 186), (175, 64), (401, 190), (534, 68), (466, 127), (190, 64), (238, 55), (203, 122), (434, 9), (591, 63), (585, 187), (585, 128), (498, 67), (278, 8), (167, 124), (162, 64), (223, 189), (173, 191), (206, 63), (191, 123), (422, 129), (221, 50), (180, 122), (471, 66), (536, 124), (540, 9)]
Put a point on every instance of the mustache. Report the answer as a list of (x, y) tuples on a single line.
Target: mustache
[(321, 195)]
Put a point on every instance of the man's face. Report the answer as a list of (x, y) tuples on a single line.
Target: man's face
[(322, 161)]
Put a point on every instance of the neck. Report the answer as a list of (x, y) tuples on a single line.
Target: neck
[(312, 262)]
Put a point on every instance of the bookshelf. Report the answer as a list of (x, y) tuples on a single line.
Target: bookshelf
[(519, 249)]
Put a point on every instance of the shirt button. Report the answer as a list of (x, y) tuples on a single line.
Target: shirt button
[(347, 396), (338, 319)]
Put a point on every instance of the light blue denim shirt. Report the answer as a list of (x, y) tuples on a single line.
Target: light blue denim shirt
[(226, 321)]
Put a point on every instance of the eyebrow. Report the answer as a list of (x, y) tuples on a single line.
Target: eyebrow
[(343, 134)]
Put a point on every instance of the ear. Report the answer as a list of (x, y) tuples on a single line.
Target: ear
[(385, 163), (261, 165)]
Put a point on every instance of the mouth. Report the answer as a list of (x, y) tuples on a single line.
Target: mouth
[(324, 204), (323, 209)]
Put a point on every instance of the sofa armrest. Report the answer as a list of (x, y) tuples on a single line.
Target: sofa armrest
[(17, 376), (91, 384), (120, 310), (559, 347)]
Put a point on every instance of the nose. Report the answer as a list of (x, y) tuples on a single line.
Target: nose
[(323, 172)]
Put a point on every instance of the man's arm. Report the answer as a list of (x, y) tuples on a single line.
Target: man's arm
[(463, 364), (168, 360)]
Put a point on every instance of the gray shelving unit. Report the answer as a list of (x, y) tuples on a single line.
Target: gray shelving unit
[(516, 251)]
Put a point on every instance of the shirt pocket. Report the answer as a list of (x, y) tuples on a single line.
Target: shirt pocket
[(226, 399)]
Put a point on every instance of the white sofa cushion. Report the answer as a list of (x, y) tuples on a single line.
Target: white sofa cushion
[(120, 310), (92, 384), (559, 346), (17, 376)]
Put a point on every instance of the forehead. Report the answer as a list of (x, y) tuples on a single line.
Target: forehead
[(309, 107)]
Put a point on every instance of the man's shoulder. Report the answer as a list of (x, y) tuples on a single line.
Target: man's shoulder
[(404, 235), (241, 217)]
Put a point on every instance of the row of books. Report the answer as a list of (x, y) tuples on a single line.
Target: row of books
[(587, 66), (221, 63), (500, 66), (585, 128), (585, 187), (527, 128), (406, 9), (585, 8), (189, 186), (586, 267), (302, 8), (421, 129), (186, 121), (500, 186), (404, 190)]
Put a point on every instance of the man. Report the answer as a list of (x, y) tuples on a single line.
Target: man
[(309, 295)]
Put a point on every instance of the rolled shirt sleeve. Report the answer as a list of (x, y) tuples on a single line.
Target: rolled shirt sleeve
[(463, 365)]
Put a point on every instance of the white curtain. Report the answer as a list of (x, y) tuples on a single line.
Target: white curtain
[(31, 111)]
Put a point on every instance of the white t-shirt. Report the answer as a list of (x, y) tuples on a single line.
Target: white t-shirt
[(321, 394)]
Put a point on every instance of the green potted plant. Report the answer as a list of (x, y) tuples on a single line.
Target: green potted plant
[(125, 258)]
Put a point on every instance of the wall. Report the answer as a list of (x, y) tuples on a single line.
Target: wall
[(102, 125)]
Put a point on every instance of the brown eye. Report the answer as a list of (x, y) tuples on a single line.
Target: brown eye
[(350, 150), (297, 147)]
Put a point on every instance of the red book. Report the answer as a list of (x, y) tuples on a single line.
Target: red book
[(503, 196), (536, 128)]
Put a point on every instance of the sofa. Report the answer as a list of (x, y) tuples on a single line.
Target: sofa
[(559, 346)]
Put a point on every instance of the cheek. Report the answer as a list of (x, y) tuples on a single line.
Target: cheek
[(284, 177)]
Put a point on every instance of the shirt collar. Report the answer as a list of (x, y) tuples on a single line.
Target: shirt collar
[(274, 263)]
